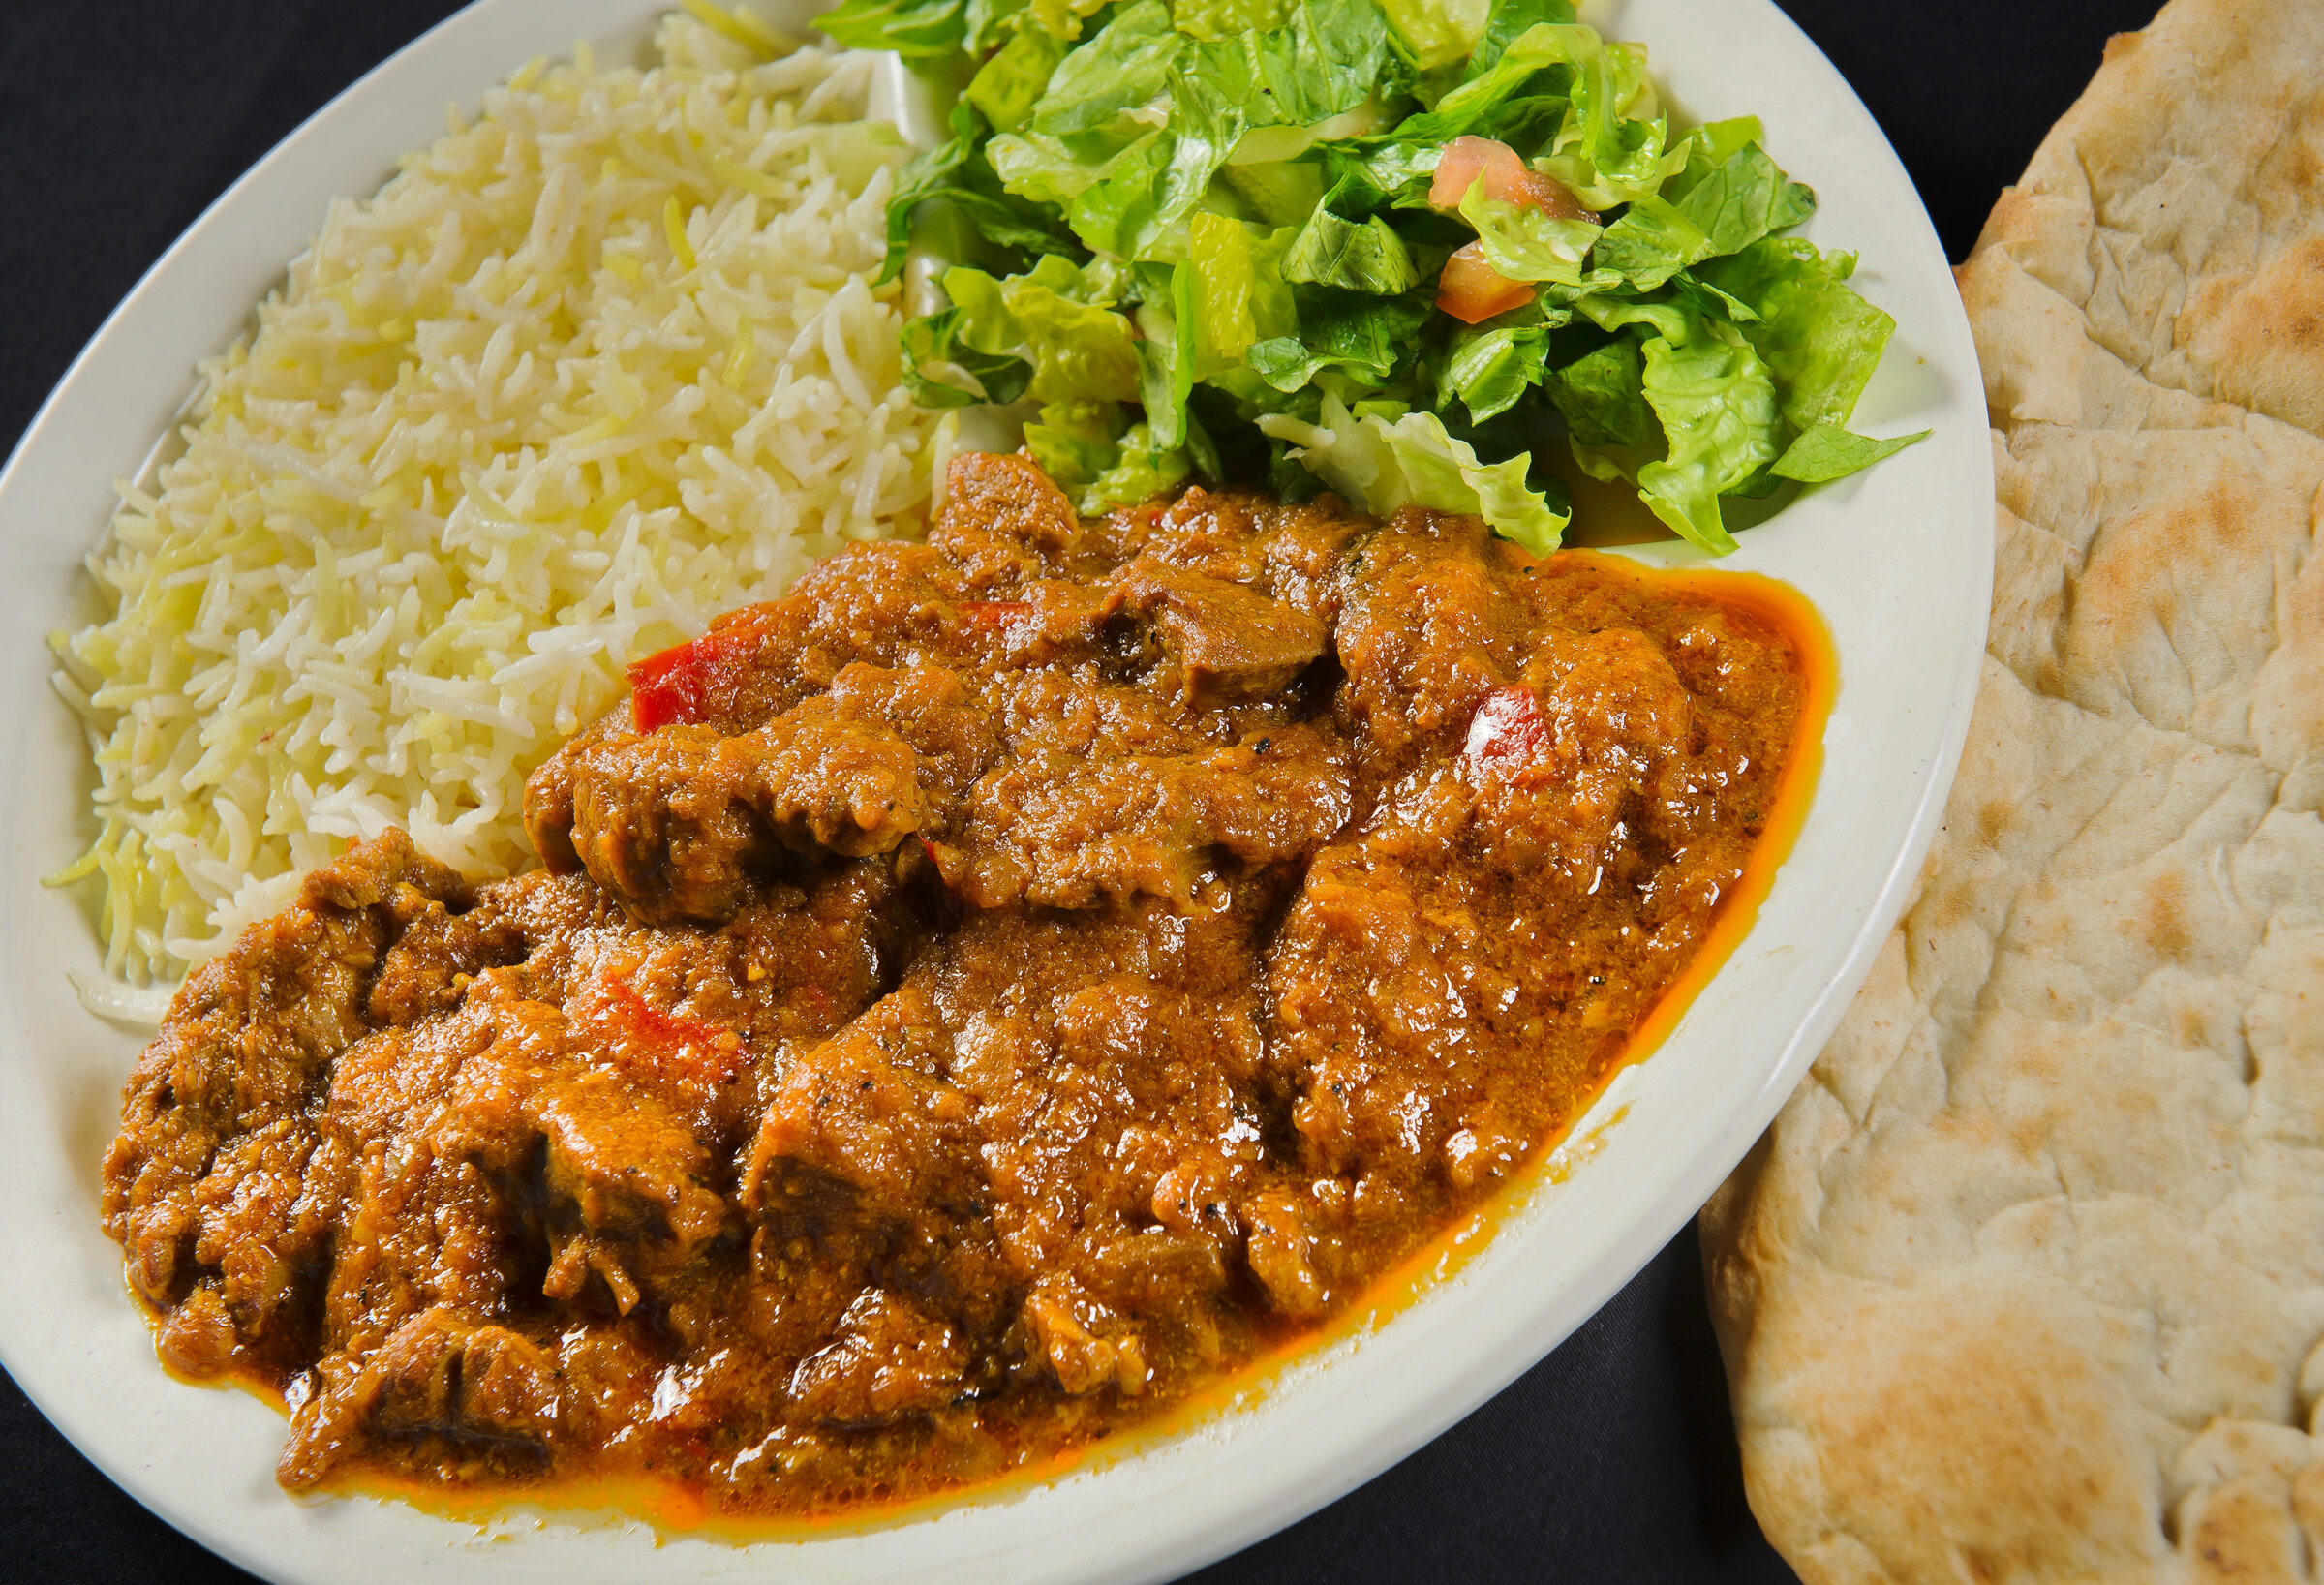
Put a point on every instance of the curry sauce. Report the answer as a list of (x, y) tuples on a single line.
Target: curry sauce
[(971, 1005)]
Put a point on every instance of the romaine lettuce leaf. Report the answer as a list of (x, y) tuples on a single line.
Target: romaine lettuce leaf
[(987, 21), (1238, 294), (1437, 32), (1524, 244), (915, 29), (1360, 334), (1332, 58), (1211, 20), (1739, 200), (1123, 213), (957, 172), (1488, 368), (1373, 173), (1650, 243), (1044, 170), (1143, 470), (1508, 19), (1829, 452), (1716, 404), (1541, 46), (1075, 442), (1674, 321), (1009, 84), (1061, 17), (1123, 67), (933, 341), (1279, 191), (1602, 396), (1332, 252), (1166, 349), (1819, 340), (1078, 350), (1383, 458)]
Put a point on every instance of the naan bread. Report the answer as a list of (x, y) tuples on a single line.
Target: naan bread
[(2027, 1283)]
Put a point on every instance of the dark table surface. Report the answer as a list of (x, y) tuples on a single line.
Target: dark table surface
[(1614, 1458)]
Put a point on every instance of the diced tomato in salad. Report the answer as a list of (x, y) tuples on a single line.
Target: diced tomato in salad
[(1507, 179), (1470, 289)]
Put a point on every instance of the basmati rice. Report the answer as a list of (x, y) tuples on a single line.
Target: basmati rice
[(582, 376)]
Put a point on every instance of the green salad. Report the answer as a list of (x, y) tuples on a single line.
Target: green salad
[(1390, 248)]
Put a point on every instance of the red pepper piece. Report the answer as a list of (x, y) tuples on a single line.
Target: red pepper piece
[(686, 682)]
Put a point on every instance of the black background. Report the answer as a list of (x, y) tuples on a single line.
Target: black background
[(1612, 1461)]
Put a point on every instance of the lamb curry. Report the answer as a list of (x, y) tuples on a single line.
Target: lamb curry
[(966, 1005)]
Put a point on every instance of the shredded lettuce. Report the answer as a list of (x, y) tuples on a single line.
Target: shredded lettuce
[(1056, 320), (1488, 370), (934, 348), (1206, 236), (1716, 404), (1142, 470), (1829, 452), (1820, 339), (1075, 442), (1602, 395), (1524, 244), (958, 175), (1122, 67), (1370, 257), (915, 29), (1384, 458), (1008, 85), (1437, 32)]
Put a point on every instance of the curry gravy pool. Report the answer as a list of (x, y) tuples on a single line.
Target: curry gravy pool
[(976, 1003)]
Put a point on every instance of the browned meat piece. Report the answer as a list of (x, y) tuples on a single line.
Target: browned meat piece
[(757, 662), (216, 1178), (1083, 1345), (1003, 521), (435, 1373), (1227, 643), (681, 823), (971, 1002), (1279, 1251), (864, 1130), (1426, 632), (889, 1361), (1065, 831)]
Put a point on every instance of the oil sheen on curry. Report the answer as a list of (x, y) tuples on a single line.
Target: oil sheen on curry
[(966, 1006)]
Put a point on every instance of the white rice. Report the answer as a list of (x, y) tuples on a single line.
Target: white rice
[(581, 377)]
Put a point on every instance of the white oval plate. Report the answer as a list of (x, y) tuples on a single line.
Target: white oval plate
[(1898, 559)]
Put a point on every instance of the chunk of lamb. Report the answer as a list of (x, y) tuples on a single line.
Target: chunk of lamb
[(681, 823), (436, 1374), (863, 1135), (219, 1186), (1003, 522), (890, 1360), (1069, 829), (1229, 643)]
